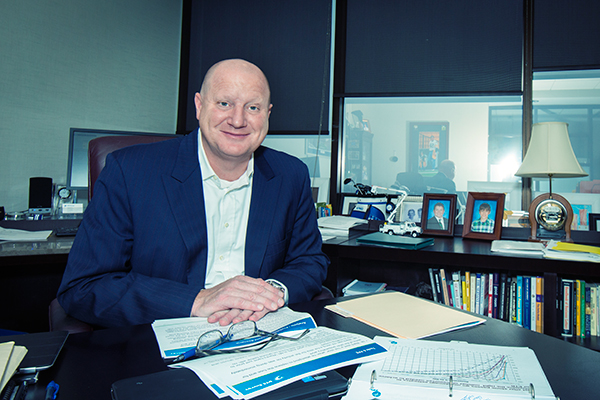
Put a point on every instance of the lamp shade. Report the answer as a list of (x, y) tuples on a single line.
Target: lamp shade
[(550, 153)]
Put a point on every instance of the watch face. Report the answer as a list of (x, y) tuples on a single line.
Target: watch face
[(64, 193), (551, 215)]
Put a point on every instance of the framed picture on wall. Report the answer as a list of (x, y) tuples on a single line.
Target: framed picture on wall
[(439, 211), (483, 216), (427, 146), (594, 222)]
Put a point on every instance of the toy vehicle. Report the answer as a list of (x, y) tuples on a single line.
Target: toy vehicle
[(401, 228)]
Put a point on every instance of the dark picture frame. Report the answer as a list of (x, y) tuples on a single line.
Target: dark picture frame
[(428, 146), (594, 222), (476, 225), (429, 223)]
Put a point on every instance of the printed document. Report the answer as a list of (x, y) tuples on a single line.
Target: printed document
[(178, 335), (427, 370), (247, 375)]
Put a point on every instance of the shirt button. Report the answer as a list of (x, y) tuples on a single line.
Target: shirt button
[(221, 258), (226, 224)]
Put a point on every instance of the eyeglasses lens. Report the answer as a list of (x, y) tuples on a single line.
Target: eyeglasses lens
[(209, 340), (241, 330)]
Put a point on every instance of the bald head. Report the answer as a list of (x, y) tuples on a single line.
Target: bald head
[(447, 168), (232, 67)]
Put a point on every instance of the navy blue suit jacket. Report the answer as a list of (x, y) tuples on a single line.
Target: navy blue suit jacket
[(140, 253)]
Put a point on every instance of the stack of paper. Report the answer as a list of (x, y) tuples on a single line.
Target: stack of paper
[(250, 374), (10, 358), (23, 235), (360, 287), (337, 225), (572, 251), (533, 249)]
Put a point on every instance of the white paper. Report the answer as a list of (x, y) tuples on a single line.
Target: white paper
[(247, 375), (340, 222), (177, 335), (20, 235), (421, 369)]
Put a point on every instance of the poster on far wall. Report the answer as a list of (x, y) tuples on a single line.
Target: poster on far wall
[(428, 146)]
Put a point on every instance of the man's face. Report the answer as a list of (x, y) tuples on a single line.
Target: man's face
[(484, 214), (438, 211), (233, 112)]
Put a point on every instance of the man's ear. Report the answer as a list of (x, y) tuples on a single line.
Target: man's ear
[(198, 103)]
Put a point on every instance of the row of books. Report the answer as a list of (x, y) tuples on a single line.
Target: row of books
[(515, 299), (579, 307)]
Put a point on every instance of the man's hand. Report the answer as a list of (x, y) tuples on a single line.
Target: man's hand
[(237, 299)]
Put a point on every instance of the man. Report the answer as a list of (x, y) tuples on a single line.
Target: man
[(438, 221), (443, 179), (194, 226), (484, 224)]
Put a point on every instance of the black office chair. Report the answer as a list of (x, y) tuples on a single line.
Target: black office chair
[(59, 320), (411, 182)]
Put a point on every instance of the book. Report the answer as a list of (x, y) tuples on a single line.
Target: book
[(444, 286), (405, 242), (512, 300), (533, 301), (519, 303), (433, 285), (526, 302), (567, 307), (502, 298), (465, 293), (539, 313), (361, 287), (473, 288)]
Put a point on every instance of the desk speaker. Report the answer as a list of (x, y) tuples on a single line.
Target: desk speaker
[(40, 195)]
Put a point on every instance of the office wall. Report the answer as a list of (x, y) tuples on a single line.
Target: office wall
[(111, 64)]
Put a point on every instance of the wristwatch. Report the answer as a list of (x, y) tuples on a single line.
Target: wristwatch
[(280, 286)]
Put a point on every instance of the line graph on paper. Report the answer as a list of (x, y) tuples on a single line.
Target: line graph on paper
[(445, 362), (493, 372)]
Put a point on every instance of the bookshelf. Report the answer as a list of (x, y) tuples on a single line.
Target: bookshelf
[(408, 268)]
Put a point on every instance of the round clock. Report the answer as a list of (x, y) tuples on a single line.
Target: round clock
[(550, 217), (64, 193), (551, 214)]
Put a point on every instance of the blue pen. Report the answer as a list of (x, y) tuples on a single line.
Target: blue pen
[(51, 390), (185, 356)]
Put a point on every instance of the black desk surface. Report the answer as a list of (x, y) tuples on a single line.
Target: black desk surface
[(91, 362)]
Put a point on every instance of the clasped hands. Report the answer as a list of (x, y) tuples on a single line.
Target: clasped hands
[(237, 299)]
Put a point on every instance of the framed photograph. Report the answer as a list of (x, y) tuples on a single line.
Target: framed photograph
[(411, 210), (438, 214), (583, 205), (428, 146), (594, 222), (483, 216), (348, 203)]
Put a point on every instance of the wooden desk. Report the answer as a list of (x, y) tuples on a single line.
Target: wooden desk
[(91, 362)]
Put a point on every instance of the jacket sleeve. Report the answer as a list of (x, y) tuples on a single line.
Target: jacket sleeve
[(110, 280)]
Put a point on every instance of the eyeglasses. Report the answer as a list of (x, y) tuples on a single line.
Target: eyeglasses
[(208, 341)]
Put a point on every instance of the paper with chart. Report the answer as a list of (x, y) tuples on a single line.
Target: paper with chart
[(419, 369)]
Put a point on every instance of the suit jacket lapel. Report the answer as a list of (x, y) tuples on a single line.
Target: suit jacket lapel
[(186, 201), (265, 193)]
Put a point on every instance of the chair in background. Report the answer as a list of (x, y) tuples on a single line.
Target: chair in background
[(100, 147), (411, 182)]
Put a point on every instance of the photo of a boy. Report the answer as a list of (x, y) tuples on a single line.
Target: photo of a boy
[(484, 224)]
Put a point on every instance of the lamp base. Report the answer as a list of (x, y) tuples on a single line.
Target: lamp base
[(550, 217)]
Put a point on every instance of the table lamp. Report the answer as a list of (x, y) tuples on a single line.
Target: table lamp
[(550, 155)]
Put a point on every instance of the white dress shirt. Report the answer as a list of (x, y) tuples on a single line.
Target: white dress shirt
[(227, 206)]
